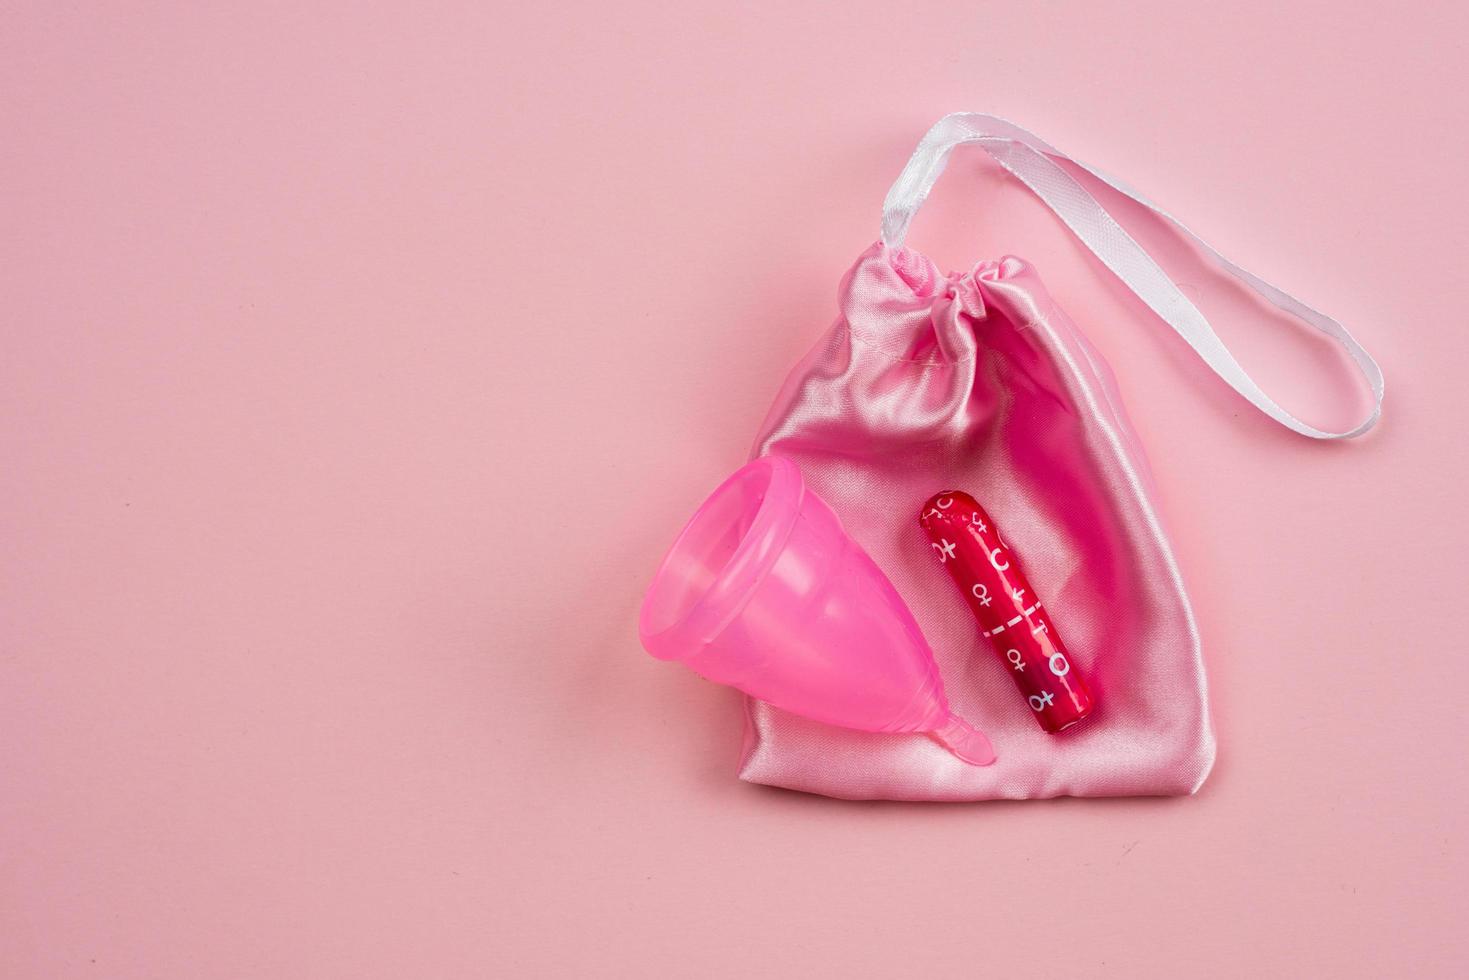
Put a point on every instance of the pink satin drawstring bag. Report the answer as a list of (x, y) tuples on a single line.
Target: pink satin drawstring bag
[(980, 382)]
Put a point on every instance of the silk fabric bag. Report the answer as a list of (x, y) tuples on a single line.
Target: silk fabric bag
[(980, 382)]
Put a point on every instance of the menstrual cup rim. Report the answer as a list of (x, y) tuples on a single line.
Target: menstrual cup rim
[(747, 566)]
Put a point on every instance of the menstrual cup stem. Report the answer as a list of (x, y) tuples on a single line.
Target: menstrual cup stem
[(965, 741)]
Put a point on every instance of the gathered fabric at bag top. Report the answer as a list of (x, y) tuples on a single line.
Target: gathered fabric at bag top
[(980, 381)]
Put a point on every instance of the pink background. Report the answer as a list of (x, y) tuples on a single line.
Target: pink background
[(358, 364)]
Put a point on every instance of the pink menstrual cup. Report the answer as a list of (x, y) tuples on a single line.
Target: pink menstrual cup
[(764, 591)]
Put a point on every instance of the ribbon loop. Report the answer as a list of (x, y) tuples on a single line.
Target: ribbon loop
[(1033, 161)]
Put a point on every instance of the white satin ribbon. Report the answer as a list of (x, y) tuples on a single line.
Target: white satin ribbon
[(1033, 161)]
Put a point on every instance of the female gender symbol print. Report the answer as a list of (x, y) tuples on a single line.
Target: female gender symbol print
[(969, 546)]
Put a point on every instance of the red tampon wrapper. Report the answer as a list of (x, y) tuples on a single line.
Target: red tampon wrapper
[(1009, 612)]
